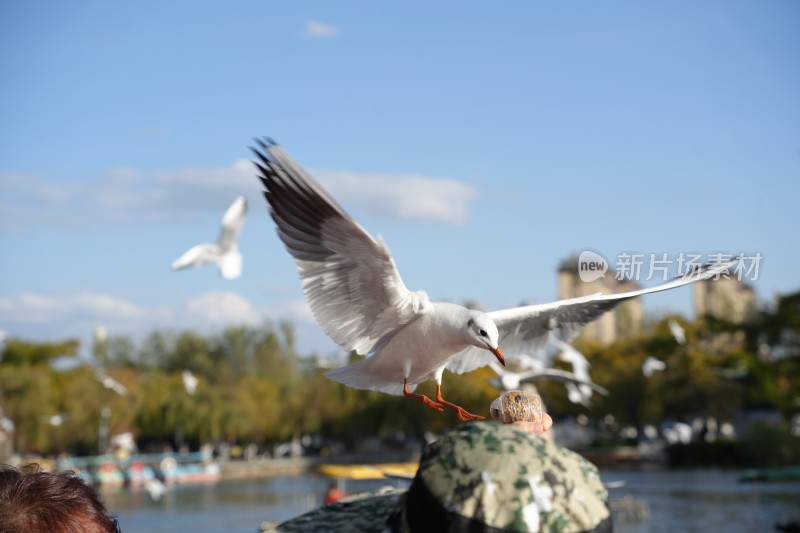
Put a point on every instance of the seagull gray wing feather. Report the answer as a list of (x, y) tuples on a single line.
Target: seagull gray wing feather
[(529, 328), (349, 278)]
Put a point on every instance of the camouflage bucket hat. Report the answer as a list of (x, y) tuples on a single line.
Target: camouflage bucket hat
[(492, 477), (363, 512), (483, 477)]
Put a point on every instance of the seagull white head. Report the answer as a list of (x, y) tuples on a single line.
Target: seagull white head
[(483, 334)]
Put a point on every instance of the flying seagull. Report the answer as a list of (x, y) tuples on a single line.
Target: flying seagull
[(577, 393), (189, 381), (356, 294), (508, 380), (677, 331), (54, 420), (110, 383), (651, 365), (225, 251), (6, 424)]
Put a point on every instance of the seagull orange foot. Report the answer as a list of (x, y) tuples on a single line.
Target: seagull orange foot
[(465, 415), (421, 397), (462, 413)]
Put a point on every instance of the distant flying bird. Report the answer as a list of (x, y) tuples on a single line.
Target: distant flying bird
[(356, 294), (575, 395), (508, 380), (580, 367), (124, 441), (677, 331), (225, 252), (6, 424), (651, 365), (678, 433), (189, 381), (110, 383), (155, 488), (54, 420)]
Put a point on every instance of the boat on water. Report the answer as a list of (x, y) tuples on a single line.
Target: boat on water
[(174, 471), (139, 470), (108, 474), (139, 474), (372, 471), (777, 473)]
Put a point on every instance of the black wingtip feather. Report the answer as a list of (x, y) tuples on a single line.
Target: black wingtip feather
[(265, 142), (265, 161)]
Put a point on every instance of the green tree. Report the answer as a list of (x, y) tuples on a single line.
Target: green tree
[(19, 352)]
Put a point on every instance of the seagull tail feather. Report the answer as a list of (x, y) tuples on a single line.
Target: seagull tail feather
[(358, 376)]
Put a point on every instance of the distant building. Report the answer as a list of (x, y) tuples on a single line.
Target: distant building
[(724, 299), (622, 321)]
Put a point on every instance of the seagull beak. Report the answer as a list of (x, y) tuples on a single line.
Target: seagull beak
[(497, 353)]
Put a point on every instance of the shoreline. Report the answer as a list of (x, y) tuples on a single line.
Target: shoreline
[(256, 468)]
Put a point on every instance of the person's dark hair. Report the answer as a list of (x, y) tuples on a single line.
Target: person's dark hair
[(33, 501)]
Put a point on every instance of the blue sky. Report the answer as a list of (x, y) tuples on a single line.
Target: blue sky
[(486, 143)]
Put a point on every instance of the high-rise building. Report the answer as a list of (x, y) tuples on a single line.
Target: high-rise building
[(622, 321), (726, 299)]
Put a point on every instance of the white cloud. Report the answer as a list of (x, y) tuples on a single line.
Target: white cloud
[(27, 199), (122, 195), (126, 194), (29, 188), (171, 194), (405, 197), (29, 308), (55, 317), (47, 317), (223, 308), (52, 317), (315, 29)]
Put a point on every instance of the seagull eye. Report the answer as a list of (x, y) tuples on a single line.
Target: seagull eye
[(482, 332)]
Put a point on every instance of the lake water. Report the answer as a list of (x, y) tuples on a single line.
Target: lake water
[(686, 501), (705, 501)]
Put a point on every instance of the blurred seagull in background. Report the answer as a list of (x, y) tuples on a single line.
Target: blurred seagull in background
[(651, 365), (508, 380), (225, 252), (155, 488), (677, 331), (110, 383), (189, 382), (356, 294), (581, 394), (54, 420), (6, 424)]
